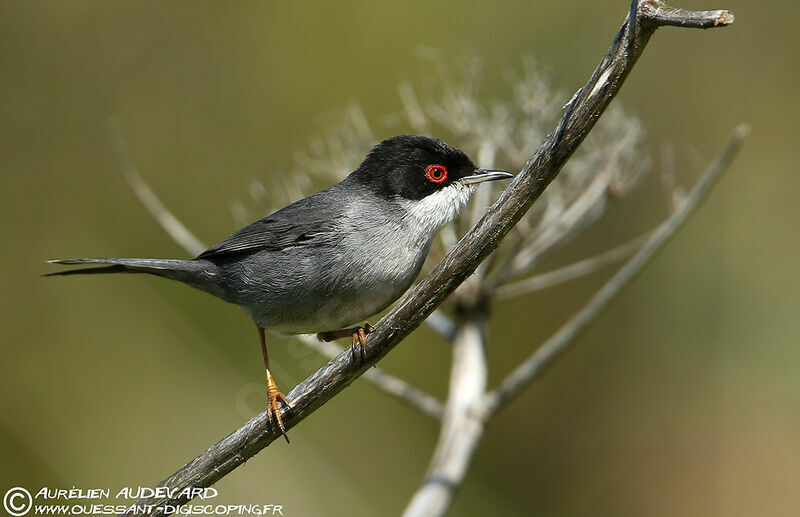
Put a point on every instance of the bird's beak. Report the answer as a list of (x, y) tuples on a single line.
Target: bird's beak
[(481, 175)]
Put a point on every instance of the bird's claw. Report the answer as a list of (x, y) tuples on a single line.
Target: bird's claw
[(274, 400), (359, 335), (360, 342)]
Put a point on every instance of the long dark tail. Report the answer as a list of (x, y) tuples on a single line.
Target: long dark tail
[(169, 268), (201, 274)]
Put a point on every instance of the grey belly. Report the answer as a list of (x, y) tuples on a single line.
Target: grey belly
[(307, 292)]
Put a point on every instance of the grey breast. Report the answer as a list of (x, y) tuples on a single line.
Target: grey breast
[(372, 256)]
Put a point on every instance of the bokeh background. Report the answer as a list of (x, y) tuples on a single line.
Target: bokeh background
[(683, 399)]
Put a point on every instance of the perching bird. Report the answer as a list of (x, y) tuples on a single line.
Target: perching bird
[(332, 259)]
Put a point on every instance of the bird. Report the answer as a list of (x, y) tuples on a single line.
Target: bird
[(332, 259)]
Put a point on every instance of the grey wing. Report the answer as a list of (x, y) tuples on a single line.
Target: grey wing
[(302, 223)]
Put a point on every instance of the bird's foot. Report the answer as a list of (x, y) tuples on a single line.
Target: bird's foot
[(274, 400), (359, 335), (360, 342)]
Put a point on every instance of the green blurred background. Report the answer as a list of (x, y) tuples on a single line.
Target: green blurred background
[(683, 399)]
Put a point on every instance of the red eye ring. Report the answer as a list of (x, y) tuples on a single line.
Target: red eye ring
[(436, 173)]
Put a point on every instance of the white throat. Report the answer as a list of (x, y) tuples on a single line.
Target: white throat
[(432, 212)]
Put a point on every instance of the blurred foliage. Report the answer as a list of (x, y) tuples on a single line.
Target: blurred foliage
[(682, 400)]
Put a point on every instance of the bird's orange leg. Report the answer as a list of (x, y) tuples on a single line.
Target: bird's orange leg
[(274, 397), (359, 335)]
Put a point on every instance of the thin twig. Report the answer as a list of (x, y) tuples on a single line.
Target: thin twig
[(556, 345), (414, 397), (569, 272), (662, 14), (443, 325), (416, 305), (170, 224)]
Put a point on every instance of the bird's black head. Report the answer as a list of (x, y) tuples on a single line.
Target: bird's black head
[(414, 167)]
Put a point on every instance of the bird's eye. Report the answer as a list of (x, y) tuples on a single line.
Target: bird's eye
[(436, 173)]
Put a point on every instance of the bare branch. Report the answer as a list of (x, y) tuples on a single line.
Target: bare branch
[(462, 428), (416, 398), (662, 14), (442, 325), (554, 347), (169, 223), (415, 306), (569, 272), (413, 110)]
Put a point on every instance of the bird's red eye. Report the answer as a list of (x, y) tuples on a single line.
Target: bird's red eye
[(436, 173)]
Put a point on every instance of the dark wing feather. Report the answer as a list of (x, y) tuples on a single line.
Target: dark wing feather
[(303, 223)]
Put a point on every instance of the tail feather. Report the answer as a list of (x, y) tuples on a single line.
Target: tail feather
[(202, 274), (90, 270), (169, 268)]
